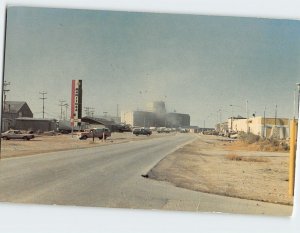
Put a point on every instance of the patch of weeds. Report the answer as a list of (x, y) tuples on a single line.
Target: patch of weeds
[(236, 157)]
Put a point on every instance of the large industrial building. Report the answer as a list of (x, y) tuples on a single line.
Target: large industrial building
[(156, 116)]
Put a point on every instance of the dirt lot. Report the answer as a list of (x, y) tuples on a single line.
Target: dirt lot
[(42, 144), (213, 165)]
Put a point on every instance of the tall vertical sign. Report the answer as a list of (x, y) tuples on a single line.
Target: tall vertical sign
[(76, 103)]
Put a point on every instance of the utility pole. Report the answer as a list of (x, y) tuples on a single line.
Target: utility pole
[(66, 106), (293, 145), (275, 115), (89, 111), (117, 110), (43, 93), (105, 114), (298, 95), (247, 116), (5, 90), (265, 131), (61, 104)]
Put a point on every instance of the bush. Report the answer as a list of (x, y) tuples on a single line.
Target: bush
[(249, 138)]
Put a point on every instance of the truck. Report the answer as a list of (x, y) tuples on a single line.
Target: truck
[(94, 133)]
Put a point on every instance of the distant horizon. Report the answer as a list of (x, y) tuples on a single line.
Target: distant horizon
[(196, 64)]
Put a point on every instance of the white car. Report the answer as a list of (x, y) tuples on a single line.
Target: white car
[(16, 134)]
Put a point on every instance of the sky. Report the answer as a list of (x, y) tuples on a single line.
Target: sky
[(206, 66)]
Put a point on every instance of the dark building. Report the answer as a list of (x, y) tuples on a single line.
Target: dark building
[(36, 124), (13, 110), (175, 120)]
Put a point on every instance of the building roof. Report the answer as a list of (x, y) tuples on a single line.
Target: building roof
[(95, 120), (35, 119), (13, 106)]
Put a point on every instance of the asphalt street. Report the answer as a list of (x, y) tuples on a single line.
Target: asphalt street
[(111, 176)]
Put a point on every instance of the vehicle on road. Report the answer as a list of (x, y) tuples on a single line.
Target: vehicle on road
[(16, 134), (163, 130), (142, 131), (94, 133), (121, 128)]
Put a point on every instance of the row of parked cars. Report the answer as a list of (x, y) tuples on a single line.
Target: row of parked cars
[(88, 133)]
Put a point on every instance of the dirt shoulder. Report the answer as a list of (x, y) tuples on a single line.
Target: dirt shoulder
[(44, 144), (215, 166)]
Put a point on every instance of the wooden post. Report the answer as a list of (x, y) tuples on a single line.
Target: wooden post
[(293, 136)]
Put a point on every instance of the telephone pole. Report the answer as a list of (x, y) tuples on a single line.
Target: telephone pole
[(5, 90), (275, 115), (61, 104), (43, 93), (89, 111), (66, 106)]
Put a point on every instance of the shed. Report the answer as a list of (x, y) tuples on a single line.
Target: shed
[(36, 124)]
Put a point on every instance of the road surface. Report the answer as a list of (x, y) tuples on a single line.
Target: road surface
[(111, 176)]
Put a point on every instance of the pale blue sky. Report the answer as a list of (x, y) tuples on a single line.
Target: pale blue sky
[(197, 64)]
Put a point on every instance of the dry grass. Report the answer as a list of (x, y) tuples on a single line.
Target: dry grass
[(257, 146), (236, 157), (206, 166)]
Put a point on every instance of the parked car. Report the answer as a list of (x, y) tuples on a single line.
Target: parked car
[(142, 131), (163, 130), (16, 134), (122, 128), (95, 132)]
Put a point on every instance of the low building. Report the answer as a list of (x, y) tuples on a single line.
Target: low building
[(36, 124), (264, 127)]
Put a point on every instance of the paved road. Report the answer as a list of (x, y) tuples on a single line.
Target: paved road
[(110, 176)]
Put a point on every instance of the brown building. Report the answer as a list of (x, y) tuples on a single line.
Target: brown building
[(13, 110), (36, 124)]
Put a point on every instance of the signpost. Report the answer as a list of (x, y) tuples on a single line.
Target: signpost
[(76, 104)]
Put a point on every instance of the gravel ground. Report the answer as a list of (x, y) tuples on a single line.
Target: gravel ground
[(208, 165)]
